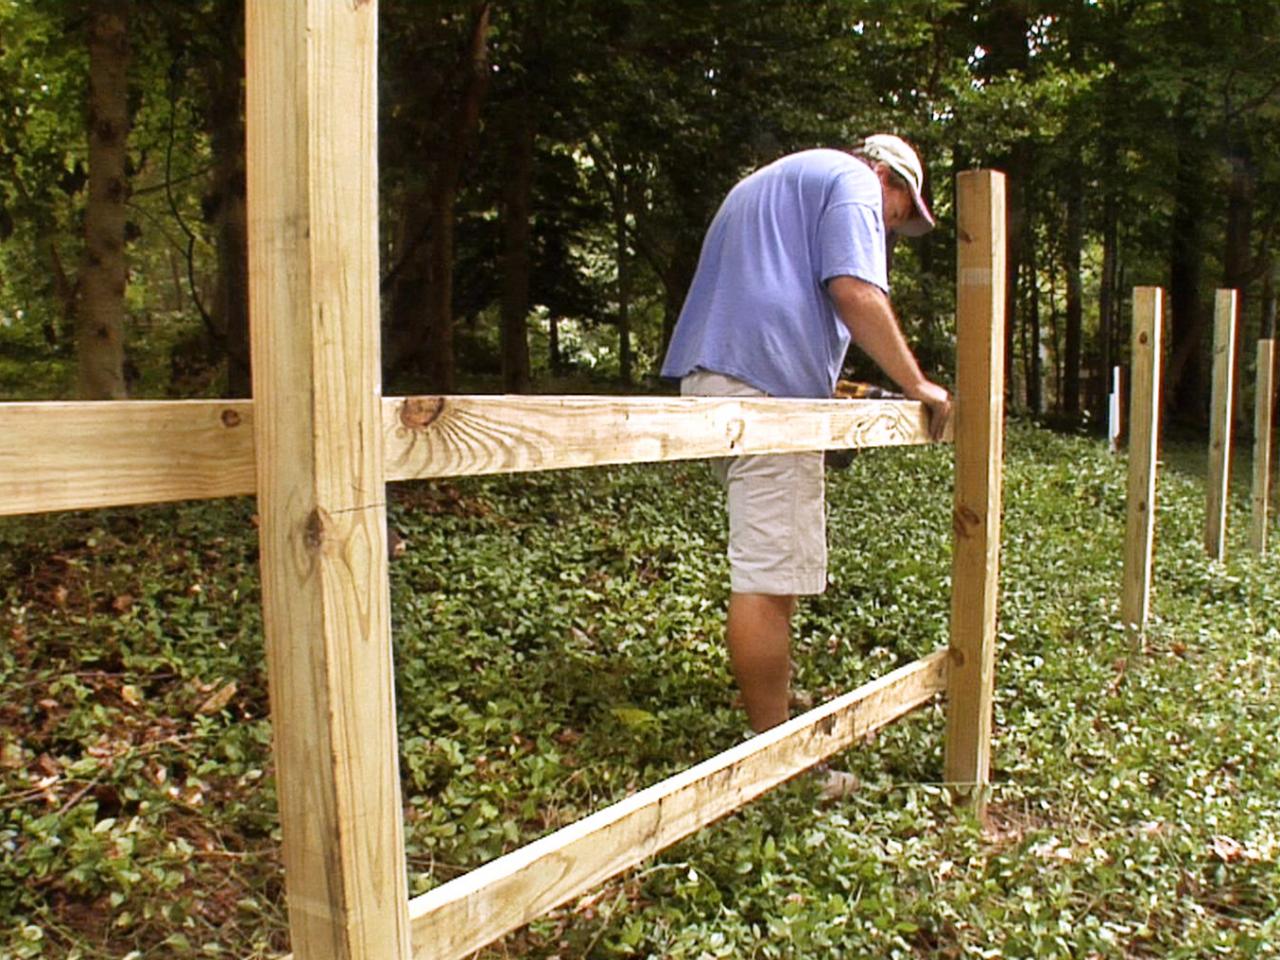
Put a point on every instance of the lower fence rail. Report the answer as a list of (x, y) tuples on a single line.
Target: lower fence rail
[(472, 911)]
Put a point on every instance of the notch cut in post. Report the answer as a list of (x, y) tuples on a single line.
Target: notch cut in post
[(979, 445), (1144, 428)]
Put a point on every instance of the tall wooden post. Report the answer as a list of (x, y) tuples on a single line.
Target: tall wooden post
[(313, 251), (1224, 354), (979, 446), (1264, 401), (1144, 422)]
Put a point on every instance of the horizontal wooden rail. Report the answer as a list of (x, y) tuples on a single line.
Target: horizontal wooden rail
[(453, 436), (69, 456), (467, 913)]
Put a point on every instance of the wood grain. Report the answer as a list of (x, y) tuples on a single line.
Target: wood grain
[(314, 317), (462, 916), (68, 456), (979, 440), (1144, 433), (1220, 412), (72, 456), (453, 436)]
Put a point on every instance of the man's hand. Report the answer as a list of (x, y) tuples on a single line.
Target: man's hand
[(866, 311), (938, 401)]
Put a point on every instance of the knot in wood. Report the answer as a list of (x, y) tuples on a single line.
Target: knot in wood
[(313, 535), (734, 430), (418, 413), (964, 522), (230, 418)]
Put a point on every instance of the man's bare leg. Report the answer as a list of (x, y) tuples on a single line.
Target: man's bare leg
[(759, 637)]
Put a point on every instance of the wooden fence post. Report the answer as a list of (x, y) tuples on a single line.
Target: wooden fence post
[(979, 444), (313, 253), (1264, 401), (1224, 353), (1144, 429)]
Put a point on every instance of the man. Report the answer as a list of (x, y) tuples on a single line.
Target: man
[(792, 269)]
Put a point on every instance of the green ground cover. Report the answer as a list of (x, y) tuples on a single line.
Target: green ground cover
[(557, 645)]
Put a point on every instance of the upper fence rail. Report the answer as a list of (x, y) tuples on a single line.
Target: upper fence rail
[(80, 455)]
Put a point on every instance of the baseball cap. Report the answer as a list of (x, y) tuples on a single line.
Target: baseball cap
[(897, 154)]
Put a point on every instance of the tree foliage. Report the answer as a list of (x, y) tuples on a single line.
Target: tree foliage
[(548, 170)]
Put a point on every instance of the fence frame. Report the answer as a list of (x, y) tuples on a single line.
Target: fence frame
[(319, 442)]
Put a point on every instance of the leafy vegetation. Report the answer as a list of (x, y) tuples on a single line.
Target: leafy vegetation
[(557, 645)]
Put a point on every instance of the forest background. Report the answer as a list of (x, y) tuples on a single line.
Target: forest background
[(548, 170)]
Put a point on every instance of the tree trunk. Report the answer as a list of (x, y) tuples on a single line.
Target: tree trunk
[(1055, 334), (1110, 336), (1107, 292), (553, 346), (435, 354), (1237, 262), (1035, 376), (1017, 169), (517, 187), (1075, 294), (1002, 29), (624, 278), (677, 276), (103, 271), (1268, 331), (226, 203), (1186, 388)]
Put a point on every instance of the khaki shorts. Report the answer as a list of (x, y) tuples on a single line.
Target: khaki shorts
[(777, 508)]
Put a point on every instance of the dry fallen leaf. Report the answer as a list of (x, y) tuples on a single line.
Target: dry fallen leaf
[(218, 700), (1226, 849)]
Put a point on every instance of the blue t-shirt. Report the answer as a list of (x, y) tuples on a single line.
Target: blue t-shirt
[(758, 309)]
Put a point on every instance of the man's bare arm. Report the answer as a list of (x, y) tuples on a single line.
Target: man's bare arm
[(865, 309)]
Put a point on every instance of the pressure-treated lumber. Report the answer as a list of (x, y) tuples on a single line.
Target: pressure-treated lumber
[(1264, 403), (1224, 355), (450, 436), (68, 456), (1144, 423), (71, 456), (313, 242), (465, 914), (979, 442)]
